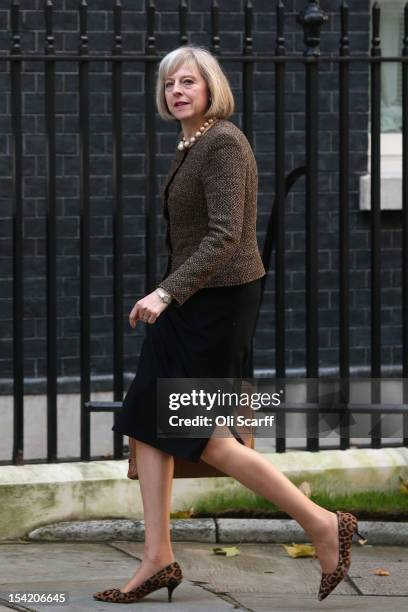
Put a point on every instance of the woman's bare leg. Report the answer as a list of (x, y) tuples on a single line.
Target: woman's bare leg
[(155, 471), (255, 472)]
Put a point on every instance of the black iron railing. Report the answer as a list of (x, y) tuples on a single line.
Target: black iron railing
[(312, 20)]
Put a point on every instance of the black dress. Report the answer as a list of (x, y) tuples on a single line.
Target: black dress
[(209, 335)]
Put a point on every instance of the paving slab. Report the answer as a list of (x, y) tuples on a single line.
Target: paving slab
[(265, 602), (258, 568), (186, 598), (267, 569), (80, 570), (394, 559), (261, 578)]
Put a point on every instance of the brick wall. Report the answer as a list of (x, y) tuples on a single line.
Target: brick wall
[(231, 26)]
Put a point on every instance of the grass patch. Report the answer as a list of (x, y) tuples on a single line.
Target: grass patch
[(375, 505)]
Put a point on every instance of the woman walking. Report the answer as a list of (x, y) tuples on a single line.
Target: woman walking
[(201, 320)]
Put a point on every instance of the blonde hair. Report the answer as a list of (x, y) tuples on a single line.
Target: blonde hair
[(222, 100)]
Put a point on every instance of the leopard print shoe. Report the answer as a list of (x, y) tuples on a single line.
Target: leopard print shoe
[(169, 576), (347, 524)]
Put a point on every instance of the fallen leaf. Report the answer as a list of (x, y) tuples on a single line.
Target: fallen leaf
[(381, 572), (180, 514), (227, 551), (403, 488), (300, 550)]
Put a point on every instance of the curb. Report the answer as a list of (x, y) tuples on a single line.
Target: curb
[(95, 490), (210, 530)]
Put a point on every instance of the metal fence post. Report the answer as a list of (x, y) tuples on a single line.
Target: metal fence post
[(312, 19)]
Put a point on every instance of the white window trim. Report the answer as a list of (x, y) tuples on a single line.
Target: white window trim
[(391, 174), (391, 157)]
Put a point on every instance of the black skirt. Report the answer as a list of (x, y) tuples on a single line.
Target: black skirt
[(209, 336)]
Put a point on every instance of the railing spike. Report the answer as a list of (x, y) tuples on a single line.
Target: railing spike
[(344, 38), (150, 44), (183, 22), (83, 26), (49, 36), (280, 25), (376, 40), (312, 19), (117, 25), (215, 27), (248, 27), (15, 27)]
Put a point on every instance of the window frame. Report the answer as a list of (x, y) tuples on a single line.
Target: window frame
[(390, 145)]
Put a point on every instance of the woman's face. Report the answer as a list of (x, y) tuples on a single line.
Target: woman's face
[(186, 93)]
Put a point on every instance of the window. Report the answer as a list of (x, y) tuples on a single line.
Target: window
[(391, 34)]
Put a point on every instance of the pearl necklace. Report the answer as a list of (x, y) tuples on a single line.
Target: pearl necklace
[(187, 143)]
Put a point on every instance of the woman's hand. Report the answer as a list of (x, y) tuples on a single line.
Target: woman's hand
[(147, 309)]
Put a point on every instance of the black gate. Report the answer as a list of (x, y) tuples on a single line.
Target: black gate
[(312, 19)]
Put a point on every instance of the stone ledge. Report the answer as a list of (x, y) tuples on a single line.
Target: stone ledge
[(39, 494), (283, 530), (194, 530), (347, 471)]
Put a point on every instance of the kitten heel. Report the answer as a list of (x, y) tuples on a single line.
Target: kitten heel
[(170, 589)]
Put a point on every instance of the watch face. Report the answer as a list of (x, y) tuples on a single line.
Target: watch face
[(163, 296)]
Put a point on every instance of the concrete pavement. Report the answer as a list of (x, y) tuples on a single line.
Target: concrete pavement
[(261, 579)]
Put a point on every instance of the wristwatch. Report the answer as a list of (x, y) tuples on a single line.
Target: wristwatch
[(163, 295)]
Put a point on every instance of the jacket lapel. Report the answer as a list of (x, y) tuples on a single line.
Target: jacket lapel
[(178, 158), (173, 169)]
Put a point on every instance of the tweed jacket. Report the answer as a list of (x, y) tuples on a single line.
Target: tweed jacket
[(210, 204)]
